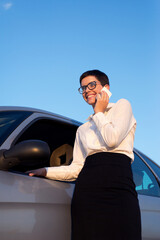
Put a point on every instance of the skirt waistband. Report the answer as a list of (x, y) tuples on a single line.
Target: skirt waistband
[(105, 158)]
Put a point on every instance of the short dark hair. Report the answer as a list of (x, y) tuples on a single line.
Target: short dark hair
[(101, 76)]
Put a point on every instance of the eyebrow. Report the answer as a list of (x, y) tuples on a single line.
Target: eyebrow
[(88, 83)]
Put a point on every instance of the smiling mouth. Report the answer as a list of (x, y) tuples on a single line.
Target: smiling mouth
[(90, 96)]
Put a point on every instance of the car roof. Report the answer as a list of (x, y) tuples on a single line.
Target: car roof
[(35, 110)]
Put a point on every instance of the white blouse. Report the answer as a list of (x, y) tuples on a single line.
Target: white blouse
[(111, 131)]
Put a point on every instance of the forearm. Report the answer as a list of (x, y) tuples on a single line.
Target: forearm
[(64, 173)]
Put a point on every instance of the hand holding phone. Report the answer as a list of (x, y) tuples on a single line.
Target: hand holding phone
[(101, 105)]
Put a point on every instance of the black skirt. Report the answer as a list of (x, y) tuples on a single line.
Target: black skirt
[(104, 204)]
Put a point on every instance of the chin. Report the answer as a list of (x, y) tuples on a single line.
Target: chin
[(91, 102)]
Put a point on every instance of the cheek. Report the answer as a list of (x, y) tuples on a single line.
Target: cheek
[(84, 97), (99, 89)]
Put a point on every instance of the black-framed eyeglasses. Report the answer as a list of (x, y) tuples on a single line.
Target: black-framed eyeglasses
[(91, 86)]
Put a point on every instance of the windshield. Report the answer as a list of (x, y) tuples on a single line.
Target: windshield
[(9, 120)]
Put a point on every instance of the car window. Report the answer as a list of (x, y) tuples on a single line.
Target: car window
[(153, 165), (145, 181), (9, 121), (60, 137)]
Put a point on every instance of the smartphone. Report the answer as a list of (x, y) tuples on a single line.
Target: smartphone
[(107, 91)]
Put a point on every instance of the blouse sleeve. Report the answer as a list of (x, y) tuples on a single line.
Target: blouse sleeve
[(116, 127), (70, 172)]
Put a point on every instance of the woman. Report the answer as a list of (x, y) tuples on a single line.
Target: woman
[(104, 204)]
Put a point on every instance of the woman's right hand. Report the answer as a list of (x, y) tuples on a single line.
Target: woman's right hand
[(37, 172), (101, 103)]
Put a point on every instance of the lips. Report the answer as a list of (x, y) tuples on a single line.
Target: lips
[(90, 96), (90, 99)]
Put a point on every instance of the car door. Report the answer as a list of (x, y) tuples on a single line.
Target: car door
[(148, 191), (33, 207)]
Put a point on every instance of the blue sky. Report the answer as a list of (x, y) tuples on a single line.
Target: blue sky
[(46, 45)]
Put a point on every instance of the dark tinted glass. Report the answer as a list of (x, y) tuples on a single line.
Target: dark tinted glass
[(9, 120)]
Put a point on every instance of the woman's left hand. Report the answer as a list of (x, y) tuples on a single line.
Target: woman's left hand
[(102, 102), (37, 172)]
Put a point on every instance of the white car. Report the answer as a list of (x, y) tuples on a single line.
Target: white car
[(39, 208)]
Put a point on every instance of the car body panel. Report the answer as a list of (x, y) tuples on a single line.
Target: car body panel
[(150, 217), (29, 203)]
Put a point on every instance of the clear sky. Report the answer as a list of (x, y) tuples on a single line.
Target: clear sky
[(45, 45)]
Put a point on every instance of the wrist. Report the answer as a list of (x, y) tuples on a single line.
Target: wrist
[(98, 111), (43, 172)]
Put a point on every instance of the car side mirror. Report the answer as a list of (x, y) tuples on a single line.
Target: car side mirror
[(29, 152)]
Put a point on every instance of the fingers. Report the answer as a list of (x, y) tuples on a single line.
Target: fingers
[(32, 173), (102, 102), (103, 96)]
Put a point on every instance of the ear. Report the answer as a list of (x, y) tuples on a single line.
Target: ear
[(107, 86)]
